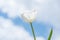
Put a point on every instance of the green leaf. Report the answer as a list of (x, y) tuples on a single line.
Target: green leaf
[(50, 35)]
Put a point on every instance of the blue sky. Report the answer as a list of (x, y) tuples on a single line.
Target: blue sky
[(41, 28), (48, 16)]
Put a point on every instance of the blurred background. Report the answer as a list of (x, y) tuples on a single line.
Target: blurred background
[(13, 27)]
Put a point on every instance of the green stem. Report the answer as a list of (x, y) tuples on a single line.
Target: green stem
[(33, 31), (50, 35)]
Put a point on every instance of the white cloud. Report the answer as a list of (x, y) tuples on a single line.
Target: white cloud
[(56, 35), (40, 1), (9, 31), (50, 13), (40, 38), (12, 7)]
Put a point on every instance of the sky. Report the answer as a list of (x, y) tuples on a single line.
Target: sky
[(13, 26)]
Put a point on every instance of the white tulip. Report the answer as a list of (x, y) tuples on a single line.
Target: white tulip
[(29, 16)]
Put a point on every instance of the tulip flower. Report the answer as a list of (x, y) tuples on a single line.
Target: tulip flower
[(30, 17)]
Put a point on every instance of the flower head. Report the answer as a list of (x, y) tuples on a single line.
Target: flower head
[(29, 15)]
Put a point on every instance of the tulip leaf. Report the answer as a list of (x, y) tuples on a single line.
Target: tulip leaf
[(50, 35)]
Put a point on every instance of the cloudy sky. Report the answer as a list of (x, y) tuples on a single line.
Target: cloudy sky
[(13, 27)]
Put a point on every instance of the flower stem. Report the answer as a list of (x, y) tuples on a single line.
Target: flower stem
[(33, 31), (50, 35)]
